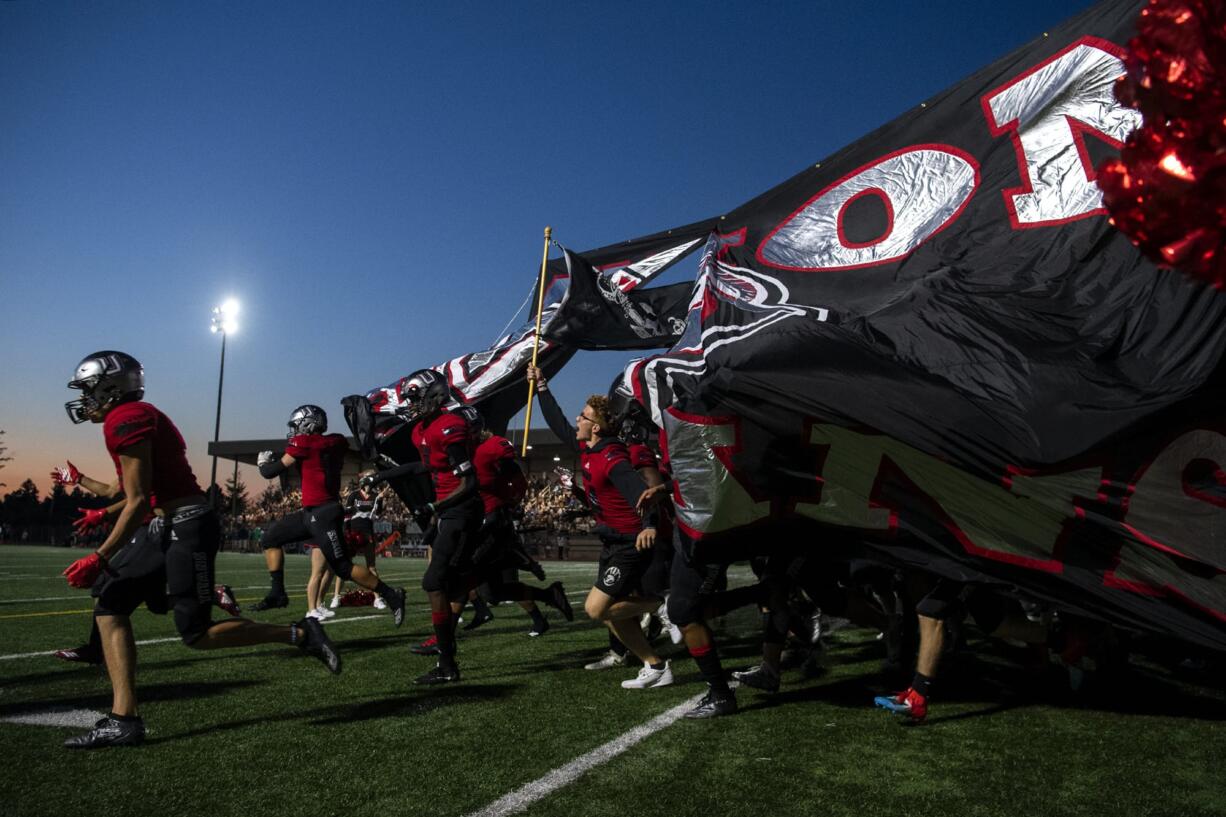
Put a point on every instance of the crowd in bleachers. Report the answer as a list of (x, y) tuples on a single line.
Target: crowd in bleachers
[(548, 505), (548, 509)]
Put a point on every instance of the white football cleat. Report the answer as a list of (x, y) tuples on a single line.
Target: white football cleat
[(649, 678), (607, 661), (674, 632)]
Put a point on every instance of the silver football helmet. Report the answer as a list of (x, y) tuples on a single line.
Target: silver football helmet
[(104, 379), (422, 393), (476, 423), (629, 417), (307, 419)]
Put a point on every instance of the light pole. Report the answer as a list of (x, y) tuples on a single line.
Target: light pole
[(224, 321)]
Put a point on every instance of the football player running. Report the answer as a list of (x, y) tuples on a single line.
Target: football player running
[(319, 457), (444, 443), (612, 489), (499, 554), (163, 515), (691, 600)]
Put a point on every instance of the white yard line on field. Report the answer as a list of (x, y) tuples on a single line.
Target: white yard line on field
[(525, 796), (55, 716)]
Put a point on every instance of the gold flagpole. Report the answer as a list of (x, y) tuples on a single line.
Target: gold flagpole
[(536, 340)]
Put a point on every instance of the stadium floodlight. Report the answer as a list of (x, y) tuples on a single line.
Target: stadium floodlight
[(225, 321), (225, 318)]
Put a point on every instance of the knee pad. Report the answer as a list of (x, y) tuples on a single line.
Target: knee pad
[(683, 609), (338, 560), (432, 580)]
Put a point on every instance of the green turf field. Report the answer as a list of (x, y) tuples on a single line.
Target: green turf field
[(266, 731)]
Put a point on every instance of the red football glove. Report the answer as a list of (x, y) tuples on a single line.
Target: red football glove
[(66, 476), (89, 520), (82, 573)]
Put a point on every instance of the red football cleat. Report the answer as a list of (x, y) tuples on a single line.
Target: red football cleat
[(427, 647), (224, 596), (909, 703)]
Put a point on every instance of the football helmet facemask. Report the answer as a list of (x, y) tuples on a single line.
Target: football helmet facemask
[(422, 393), (105, 380), (307, 419), (629, 417)]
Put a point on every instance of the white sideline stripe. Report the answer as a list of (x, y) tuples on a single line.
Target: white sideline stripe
[(56, 716), (149, 641), (525, 796), (78, 597)]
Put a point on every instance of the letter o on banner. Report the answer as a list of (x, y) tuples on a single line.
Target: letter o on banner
[(924, 189)]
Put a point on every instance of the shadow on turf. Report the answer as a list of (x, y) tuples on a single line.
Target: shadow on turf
[(398, 706), (147, 694), (984, 678), (420, 703)]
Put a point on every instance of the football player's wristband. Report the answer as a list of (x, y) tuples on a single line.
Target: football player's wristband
[(105, 563)]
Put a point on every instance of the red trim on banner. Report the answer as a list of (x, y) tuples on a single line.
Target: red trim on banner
[(889, 217), (1078, 129), (941, 148)]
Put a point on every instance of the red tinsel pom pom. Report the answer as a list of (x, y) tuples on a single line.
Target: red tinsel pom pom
[(1167, 189), (358, 598)]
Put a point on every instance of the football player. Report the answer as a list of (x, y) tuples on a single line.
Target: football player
[(319, 457), (612, 489), (691, 592), (499, 554), (444, 443), (164, 516)]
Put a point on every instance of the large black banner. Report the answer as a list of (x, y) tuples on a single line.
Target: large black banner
[(934, 341), (493, 379), (598, 314)]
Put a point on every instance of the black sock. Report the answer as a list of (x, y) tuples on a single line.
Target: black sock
[(481, 609), (659, 666), (538, 618), (616, 645), (444, 631), (922, 684), (278, 582), (95, 638), (383, 589), (707, 659), (125, 718)]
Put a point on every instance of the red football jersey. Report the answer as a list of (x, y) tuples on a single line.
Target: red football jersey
[(130, 423), (609, 507), (497, 490), (320, 458), (433, 437), (642, 457)]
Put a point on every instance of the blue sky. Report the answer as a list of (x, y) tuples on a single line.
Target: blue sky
[(372, 180)]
